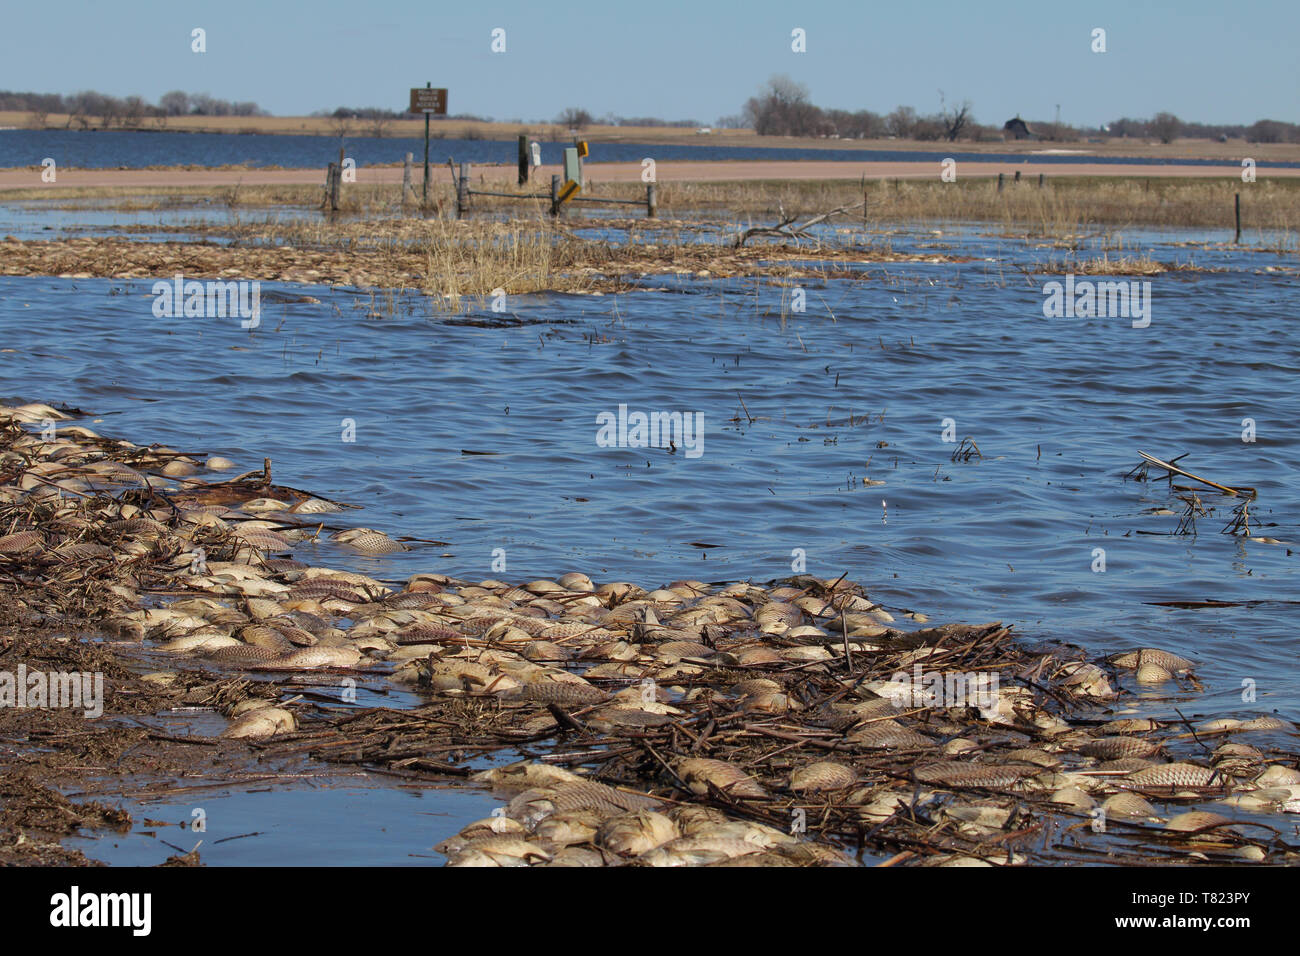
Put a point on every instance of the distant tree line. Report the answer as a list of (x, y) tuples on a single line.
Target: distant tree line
[(89, 108), (783, 108)]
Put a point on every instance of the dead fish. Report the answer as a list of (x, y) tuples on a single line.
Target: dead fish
[(1087, 680), (632, 834), (576, 581), (1073, 797), (1219, 725), (1151, 655), (674, 651), (1172, 775), (758, 656), (559, 692), (21, 541), (261, 636), (822, 775), (242, 654), (201, 642), (758, 685), (700, 850), (1116, 748), (700, 772), (307, 658), (1267, 723), (369, 541), (1128, 806), (1278, 776), (953, 773), (566, 629), (524, 774), (313, 506), (692, 818), (1150, 673), (569, 828), (322, 589), (264, 721), (615, 719), (1039, 758), (591, 795), (505, 850), (1195, 820), (883, 735), (1128, 725)]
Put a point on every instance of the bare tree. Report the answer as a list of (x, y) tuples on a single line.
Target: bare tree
[(1165, 127), (901, 122), (175, 103), (37, 119), (783, 108), (955, 119), (341, 126), (133, 110), (377, 126), (574, 118)]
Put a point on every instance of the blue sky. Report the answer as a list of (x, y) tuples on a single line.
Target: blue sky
[(1206, 61)]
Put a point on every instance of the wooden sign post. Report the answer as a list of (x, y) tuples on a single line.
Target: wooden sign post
[(428, 101)]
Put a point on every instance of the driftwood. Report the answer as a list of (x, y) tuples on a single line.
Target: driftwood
[(1175, 470), (786, 227)]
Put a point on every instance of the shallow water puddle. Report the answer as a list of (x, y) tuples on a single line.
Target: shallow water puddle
[(340, 820)]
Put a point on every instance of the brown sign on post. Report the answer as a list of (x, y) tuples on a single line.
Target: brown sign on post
[(426, 100)]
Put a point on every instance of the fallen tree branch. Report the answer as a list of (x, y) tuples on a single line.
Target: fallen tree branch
[(783, 228)]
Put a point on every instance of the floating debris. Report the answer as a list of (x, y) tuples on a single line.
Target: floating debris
[(790, 723)]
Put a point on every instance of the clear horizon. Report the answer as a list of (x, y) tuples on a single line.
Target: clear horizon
[(673, 60)]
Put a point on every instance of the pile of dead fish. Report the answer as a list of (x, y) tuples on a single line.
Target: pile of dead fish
[(731, 724)]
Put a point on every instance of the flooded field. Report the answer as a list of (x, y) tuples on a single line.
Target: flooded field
[(830, 427), (107, 149)]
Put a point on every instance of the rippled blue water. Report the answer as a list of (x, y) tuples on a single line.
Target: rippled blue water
[(108, 149), (1059, 408)]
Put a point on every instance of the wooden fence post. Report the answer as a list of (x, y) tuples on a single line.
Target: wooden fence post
[(1001, 177), (555, 195), (462, 191), (332, 177), (1017, 175), (523, 159), (1237, 204), (408, 193), (651, 201), (1040, 180)]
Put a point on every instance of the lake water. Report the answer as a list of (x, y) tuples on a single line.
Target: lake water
[(479, 431), (115, 148)]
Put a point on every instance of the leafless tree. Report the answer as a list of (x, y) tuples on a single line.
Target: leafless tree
[(133, 110), (901, 122), (1165, 127), (955, 120), (574, 118), (175, 103)]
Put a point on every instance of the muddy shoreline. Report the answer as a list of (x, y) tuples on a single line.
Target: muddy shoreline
[(791, 723)]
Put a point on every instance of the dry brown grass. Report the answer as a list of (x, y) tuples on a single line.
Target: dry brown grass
[(1062, 208)]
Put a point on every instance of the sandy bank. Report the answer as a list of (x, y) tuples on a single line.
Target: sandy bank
[(667, 172)]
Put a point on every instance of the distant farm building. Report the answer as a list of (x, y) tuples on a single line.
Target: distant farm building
[(1016, 129)]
